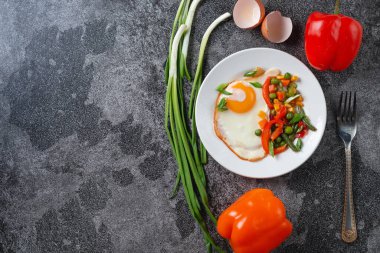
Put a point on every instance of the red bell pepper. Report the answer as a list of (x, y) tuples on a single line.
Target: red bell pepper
[(332, 41), (266, 92)]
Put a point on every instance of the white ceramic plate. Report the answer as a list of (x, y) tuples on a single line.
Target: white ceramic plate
[(233, 67)]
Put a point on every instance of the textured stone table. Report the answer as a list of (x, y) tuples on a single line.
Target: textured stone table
[(85, 165)]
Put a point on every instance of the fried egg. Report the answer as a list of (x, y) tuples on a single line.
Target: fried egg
[(236, 126)]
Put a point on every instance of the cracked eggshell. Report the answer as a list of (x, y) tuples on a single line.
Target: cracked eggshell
[(276, 28), (248, 14)]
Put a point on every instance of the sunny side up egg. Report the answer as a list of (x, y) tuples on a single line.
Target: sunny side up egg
[(236, 126)]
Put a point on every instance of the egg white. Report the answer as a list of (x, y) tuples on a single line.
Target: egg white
[(237, 130)]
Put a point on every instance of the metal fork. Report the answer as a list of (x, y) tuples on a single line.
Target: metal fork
[(346, 127)]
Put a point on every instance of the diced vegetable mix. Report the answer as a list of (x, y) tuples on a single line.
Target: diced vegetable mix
[(288, 123)]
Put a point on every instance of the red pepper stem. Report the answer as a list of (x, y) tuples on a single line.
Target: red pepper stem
[(337, 7)]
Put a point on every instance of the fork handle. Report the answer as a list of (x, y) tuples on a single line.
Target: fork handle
[(349, 232)]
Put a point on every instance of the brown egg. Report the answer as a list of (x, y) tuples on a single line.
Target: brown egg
[(276, 28), (248, 14)]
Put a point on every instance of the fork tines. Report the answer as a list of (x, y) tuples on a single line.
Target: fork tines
[(347, 107)]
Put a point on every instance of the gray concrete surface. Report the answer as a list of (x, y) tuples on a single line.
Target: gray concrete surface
[(85, 165)]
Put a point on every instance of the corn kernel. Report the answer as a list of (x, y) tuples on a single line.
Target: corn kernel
[(276, 107), (280, 77), (294, 78), (262, 114)]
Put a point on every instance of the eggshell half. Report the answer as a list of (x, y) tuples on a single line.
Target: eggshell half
[(248, 14), (276, 28)]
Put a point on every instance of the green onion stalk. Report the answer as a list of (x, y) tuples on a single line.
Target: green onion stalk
[(197, 84), (176, 129), (177, 20), (190, 168), (186, 40)]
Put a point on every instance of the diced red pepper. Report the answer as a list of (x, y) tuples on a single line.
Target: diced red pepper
[(302, 133), (304, 130), (281, 113), (280, 149), (280, 95), (266, 92), (272, 88), (266, 135), (277, 132), (285, 82)]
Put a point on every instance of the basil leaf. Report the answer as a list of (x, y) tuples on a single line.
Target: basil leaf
[(222, 105), (222, 89), (256, 84), (250, 73)]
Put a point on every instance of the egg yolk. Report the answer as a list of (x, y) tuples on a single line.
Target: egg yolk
[(245, 105)]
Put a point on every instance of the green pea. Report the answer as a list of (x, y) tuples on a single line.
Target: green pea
[(287, 76), (272, 95), (278, 139), (258, 132), (289, 116), (282, 143), (274, 81), (288, 130)]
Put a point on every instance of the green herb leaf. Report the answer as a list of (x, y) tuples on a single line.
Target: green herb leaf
[(271, 148), (222, 106), (222, 89), (256, 84), (250, 73)]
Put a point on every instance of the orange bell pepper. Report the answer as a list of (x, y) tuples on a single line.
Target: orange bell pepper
[(255, 223)]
